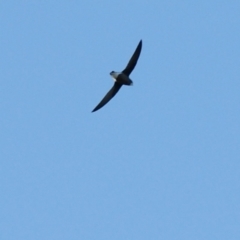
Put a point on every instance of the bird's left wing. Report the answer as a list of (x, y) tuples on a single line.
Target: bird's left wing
[(133, 61)]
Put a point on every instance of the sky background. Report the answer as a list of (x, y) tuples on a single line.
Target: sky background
[(160, 161)]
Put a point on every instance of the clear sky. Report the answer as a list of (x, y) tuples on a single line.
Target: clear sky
[(160, 161)]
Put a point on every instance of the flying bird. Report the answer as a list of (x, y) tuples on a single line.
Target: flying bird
[(121, 78)]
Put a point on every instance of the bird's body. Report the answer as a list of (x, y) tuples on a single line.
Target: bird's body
[(121, 78)]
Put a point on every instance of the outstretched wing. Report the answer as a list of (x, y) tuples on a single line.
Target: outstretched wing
[(133, 61), (108, 96)]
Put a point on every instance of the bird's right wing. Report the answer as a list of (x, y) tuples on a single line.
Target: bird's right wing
[(108, 96)]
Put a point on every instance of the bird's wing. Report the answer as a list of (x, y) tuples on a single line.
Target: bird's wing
[(133, 61), (108, 96)]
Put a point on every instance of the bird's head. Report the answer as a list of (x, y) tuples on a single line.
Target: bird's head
[(114, 74)]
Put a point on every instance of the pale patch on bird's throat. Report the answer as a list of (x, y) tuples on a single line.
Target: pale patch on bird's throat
[(114, 79), (114, 75)]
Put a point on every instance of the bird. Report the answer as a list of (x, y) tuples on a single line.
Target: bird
[(121, 78)]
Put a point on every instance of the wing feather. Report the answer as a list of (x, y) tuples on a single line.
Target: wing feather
[(112, 92), (133, 61)]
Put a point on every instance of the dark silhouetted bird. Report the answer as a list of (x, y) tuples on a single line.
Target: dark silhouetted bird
[(121, 78)]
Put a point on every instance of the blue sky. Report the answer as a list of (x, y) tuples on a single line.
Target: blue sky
[(160, 161)]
